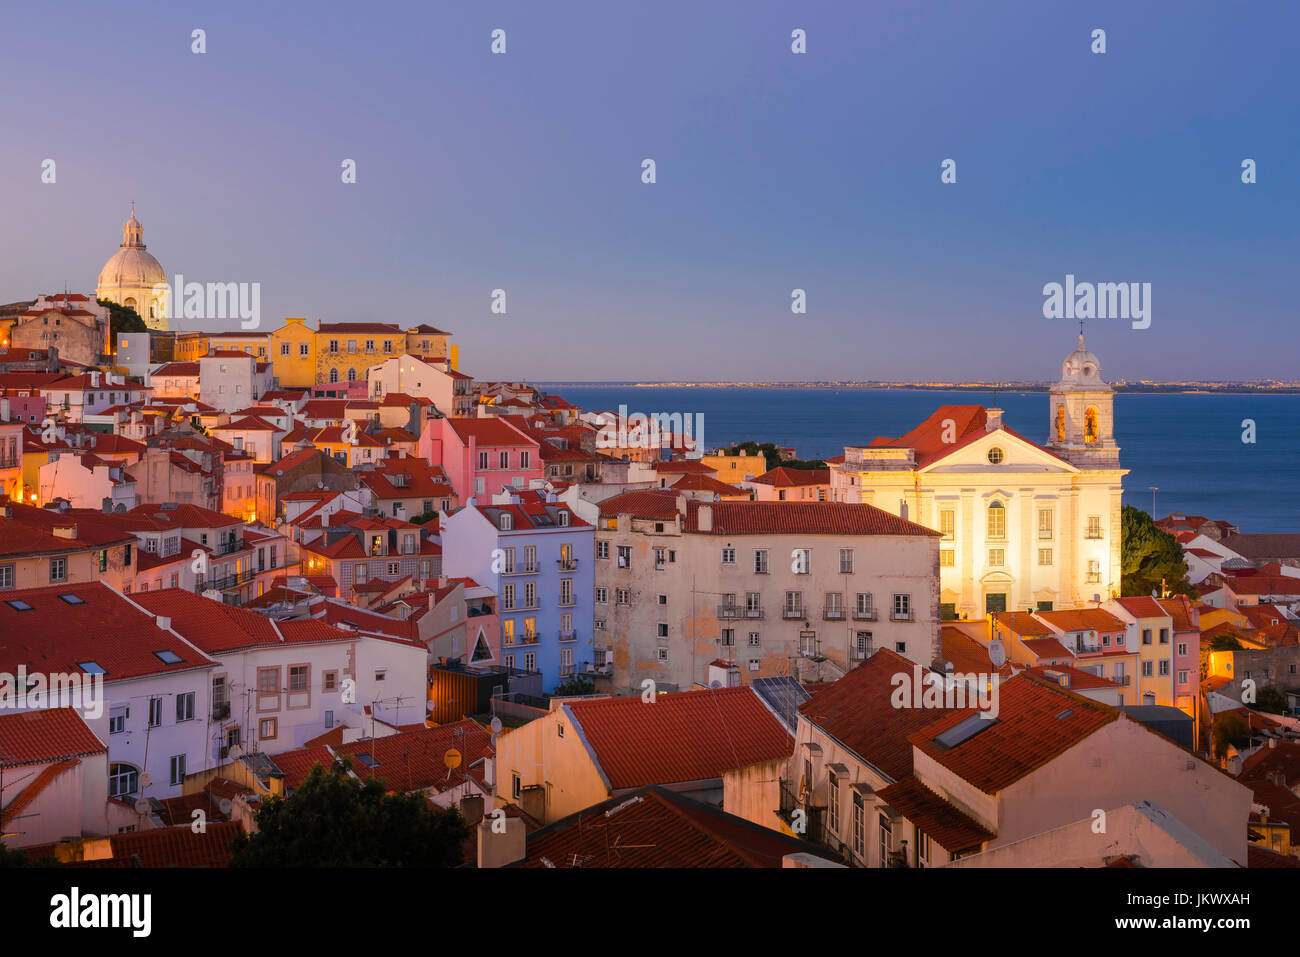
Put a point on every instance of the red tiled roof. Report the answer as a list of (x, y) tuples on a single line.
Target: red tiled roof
[(783, 477), (687, 736), (954, 830), (56, 636), (489, 432), (1257, 856), (705, 483), (807, 518), (654, 827), (967, 655), (1046, 648), (856, 710), (1075, 678), (1142, 606), (50, 735), (1036, 722), (1083, 619)]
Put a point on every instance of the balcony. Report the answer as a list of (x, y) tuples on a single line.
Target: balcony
[(567, 564), (902, 615), (566, 671), (753, 612), (830, 613), (1124, 680), (728, 611), (864, 614), (790, 614), (570, 635), (810, 825)]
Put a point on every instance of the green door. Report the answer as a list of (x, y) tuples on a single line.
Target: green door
[(995, 602)]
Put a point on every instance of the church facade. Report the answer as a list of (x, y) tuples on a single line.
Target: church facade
[(1024, 525), (133, 277)]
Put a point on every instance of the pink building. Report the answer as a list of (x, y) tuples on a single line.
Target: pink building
[(481, 456), (783, 484), (1187, 651)]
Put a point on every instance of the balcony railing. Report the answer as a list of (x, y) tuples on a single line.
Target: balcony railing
[(1124, 680), (567, 564), (221, 584), (728, 611), (566, 671), (901, 615), (570, 635), (753, 612), (864, 614), (792, 613), (832, 614)]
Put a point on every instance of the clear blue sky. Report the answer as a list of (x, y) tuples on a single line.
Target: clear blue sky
[(775, 171)]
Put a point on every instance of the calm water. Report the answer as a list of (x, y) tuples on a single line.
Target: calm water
[(1188, 445)]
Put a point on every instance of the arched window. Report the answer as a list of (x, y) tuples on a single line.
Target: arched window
[(1090, 425), (1060, 423), (123, 779), (352, 375), (997, 521), (334, 375)]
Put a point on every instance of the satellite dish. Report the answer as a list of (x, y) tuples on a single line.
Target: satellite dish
[(451, 758), (715, 684), (997, 654), (235, 752), (146, 779), (226, 805), (430, 705), (142, 806), (495, 725)]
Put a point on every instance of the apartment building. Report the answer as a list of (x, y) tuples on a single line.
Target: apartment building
[(774, 587)]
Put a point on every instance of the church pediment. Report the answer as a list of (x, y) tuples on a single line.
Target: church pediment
[(999, 451)]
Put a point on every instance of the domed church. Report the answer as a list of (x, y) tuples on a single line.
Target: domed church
[(133, 277), (1024, 525)]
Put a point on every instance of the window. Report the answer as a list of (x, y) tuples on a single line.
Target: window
[(661, 559), (334, 375), (298, 676), (6, 576), (1182, 650), (922, 848), (566, 591), (902, 608), (267, 729), (859, 827), (728, 556), (995, 456), (122, 780), (1044, 556), (1164, 668), (1182, 677), (621, 596), (177, 774), (760, 561), (754, 639), (523, 464), (530, 594), (1094, 526), (1094, 571), (728, 635), (507, 521), (947, 558), (117, 720), (483, 460), (846, 561), (329, 681), (793, 604), (864, 607), (947, 522), (997, 556), (602, 549), (834, 605), (1146, 636), (1045, 524), (284, 348), (185, 707), (1164, 635), (997, 521), (801, 562), (862, 645), (155, 712), (394, 568), (268, 680), (602, 596), (833, 804), (530, 661), (508, 596), (624, 556), (503, 460), (304, 349), (58, 569), (886, 832)]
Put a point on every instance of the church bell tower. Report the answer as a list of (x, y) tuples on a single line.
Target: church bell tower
[(1081, 429)]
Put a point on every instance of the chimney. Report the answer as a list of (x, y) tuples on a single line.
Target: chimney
[(498, 850), (442, 581), (324, 519), (993, 419), (163, 622), (681, 504), (704, 518), (4, 409), (65, 531)]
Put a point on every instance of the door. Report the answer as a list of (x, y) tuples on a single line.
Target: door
[(995, 602)]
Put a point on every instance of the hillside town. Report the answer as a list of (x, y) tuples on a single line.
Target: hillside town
[(228, 558)]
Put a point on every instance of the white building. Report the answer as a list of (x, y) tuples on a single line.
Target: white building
[(1025, 526), (230, 380)]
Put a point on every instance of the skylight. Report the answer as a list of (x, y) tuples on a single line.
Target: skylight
[(964, 730), (91, 668), (72, 599), (17, 604), (168, 657)]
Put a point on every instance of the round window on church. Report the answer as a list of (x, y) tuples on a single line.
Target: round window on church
[(995, 456)]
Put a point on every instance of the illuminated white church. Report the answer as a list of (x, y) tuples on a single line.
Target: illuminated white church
[(1024, 525), (133, 277)]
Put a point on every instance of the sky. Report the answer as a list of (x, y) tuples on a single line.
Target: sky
[(775, 171)]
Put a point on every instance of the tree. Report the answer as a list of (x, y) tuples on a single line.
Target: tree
[(772, 457), (1270, 699), (334, 820), (1229, 729), (574, 686), (1150, 556), (122, 319)]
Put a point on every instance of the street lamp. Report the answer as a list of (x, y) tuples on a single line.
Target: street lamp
[(1154, 489)]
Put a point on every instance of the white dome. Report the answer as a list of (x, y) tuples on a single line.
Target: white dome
[(1081, 367), (133, 268)]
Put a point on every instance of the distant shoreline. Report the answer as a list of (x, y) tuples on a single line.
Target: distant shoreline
[(1015, 387)]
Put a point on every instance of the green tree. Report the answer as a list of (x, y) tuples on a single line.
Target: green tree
[(574, 686), (1225, 643), (1270, 699), (122, 319), (772, 457), (1150, 556), (334, 820), (1229, 729)]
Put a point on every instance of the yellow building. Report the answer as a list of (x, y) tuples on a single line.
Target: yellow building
[(343, 351), (293, 354), (734, 469)]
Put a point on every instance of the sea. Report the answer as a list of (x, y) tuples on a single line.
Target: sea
[(1188, 445)]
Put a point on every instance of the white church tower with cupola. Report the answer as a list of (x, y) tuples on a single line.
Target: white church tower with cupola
[(1082, 411)]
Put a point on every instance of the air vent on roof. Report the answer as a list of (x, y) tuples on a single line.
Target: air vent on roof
[(964, 730), (1065, 714)]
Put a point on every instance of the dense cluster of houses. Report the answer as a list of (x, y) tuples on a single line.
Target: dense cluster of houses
[(226, 558)]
